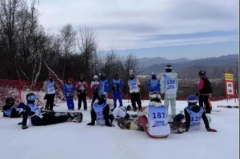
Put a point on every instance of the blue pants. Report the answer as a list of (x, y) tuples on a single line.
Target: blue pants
[(117, 95), (70, 103)]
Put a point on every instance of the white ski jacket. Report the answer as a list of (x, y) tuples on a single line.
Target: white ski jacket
[(170, 75)]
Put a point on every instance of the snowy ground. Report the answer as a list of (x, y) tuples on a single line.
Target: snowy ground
[(76, 140)]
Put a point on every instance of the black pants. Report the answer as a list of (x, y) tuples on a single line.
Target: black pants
[(95, 96), (50, 101), (135, 97), (15, 113), (204, 99), (82, 98), (49, 119)]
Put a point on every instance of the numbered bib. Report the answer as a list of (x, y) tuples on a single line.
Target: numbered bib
[(50, 85), (99, 112), (170, 85), (133, 85), (158, 122), (195, 118)]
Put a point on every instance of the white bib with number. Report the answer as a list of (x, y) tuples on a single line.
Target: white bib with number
[(158, 122)]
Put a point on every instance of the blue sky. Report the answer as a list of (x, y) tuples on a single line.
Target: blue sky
[(166, 28)]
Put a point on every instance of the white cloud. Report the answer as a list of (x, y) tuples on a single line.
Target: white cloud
[(123, 24)]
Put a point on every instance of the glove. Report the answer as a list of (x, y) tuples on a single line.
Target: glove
[(152, 90), (211, 130), (24, 127), (113, 88), (90, 124), (162, 95), (109, 125), (197, 94), (20, 123)]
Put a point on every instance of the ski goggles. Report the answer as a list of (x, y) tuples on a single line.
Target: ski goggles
[(32, 97)]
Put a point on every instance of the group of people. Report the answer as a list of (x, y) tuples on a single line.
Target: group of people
[(167, 87), (153, 119)]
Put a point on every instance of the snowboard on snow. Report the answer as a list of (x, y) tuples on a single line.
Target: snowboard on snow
[(227, 106), (76, 116), (131, 124)]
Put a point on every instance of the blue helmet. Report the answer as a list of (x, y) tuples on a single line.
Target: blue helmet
[(192, 99)]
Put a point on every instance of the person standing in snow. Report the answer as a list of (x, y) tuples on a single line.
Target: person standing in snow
[(169, 87), (94, 86), (117, 85), (134, 89), (69, 93), (50, 91), (154, 83), (205, 90), (103, 84), (82, 92)]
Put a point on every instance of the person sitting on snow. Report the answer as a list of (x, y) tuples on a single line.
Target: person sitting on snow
[(101, 112), (194, 114), (156, 124), (37, 118), (9, 110)]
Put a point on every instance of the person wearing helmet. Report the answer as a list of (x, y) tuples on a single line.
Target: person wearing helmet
[(82, 92), (103, 84), (101, 112), (117, 85), (69, 93), (193, 114), (134, 89), (94, 86), (48, 87), (205, 90), (10, 110), (154, 83), (156, 125), (169, 87), (37, 118)]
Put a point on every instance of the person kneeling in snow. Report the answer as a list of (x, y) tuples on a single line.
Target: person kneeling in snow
[(37, 118), (100, 112), (9, 110), (194, 114)]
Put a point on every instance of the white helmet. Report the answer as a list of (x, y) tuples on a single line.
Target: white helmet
[(95, 77)]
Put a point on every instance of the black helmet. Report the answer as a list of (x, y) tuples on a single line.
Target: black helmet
[(168, 68), (10, 101), (154, 75), (31, 97), (81, 77), (201, 73), (102, 76), (154, 95), (102, 98)]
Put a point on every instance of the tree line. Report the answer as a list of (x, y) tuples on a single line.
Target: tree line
[(28, 52)]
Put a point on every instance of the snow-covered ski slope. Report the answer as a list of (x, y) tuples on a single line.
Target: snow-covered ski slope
[(79, 141)]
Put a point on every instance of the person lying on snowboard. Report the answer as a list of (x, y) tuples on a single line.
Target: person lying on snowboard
[(193, 115), (37, 118), (101, 112), (10, 110)]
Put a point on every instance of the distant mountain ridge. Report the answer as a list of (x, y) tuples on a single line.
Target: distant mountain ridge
[(214, 66), (147, 62)]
